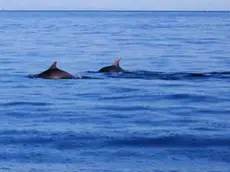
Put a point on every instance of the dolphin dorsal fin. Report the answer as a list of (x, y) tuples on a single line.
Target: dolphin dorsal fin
[(53, 66), (117, 62)]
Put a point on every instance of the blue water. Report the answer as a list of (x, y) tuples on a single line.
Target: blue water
[(169, 113)]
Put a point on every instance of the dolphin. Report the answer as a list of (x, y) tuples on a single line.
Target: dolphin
[(53, 73), (113, 68)]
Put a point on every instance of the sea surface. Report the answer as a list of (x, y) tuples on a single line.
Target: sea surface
[(170, 112)]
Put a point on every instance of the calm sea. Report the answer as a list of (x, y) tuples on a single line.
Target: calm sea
[(169, 113)]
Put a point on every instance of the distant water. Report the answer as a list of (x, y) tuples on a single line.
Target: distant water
[(169, 113)]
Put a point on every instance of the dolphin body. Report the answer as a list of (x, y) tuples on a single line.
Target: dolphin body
[(113, 68), (53, 73)]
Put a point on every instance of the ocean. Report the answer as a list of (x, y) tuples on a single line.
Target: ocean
[(170, 112)]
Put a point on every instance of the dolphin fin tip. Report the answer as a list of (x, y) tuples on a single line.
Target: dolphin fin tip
[(117, 61), (54, 65)]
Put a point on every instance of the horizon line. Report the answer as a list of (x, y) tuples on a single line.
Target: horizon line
[(104, 10)]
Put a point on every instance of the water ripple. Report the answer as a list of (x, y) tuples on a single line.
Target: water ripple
[(71, 140)]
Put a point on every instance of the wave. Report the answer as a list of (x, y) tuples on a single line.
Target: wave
[(73, 140), (172, 141), (24, 104), (151, 75)]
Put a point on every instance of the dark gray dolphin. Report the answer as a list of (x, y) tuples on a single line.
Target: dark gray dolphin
[(53, 73), (113, 68)]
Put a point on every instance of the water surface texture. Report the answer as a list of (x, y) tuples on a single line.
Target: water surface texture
[(169, 113)]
